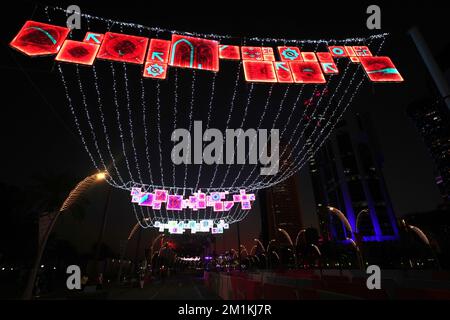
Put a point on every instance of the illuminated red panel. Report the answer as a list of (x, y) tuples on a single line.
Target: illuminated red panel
[(354, 59), (197, 53), (350, 51), (155, 70), (362, 51), (283, 72), (252, 53), (78, 52), (309, 57), (307, 72), (95, 38), (158, 50), (338, 51), (329, 68), (259, 71), (36, 39), (269, 57), (123, 48), (229, 52), (268, 54), (324, 56), (380, 69), (290, 54)]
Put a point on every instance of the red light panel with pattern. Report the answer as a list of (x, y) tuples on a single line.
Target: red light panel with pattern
[(95, 38), (283, 72), (155, 70), (307, 72), (36, 39), (196, 53), (252, 53), (290, 54), (324, 57), (259, 71), (329, 68), (337, 51), (380, 69), (309, 57), (158, 50), (123, 48), (229, 52), (362, 51), (78, 52)]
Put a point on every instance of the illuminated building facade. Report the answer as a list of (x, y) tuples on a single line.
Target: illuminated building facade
[(433, 123), (346, 174)]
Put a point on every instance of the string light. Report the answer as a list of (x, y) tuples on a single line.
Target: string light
[(322, 107)]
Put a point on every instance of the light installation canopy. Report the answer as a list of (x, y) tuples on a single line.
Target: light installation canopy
[(128, 87)]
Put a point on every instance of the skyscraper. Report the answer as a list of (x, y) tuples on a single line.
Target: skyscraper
[(346, 173), (280, 208), (432, 120)]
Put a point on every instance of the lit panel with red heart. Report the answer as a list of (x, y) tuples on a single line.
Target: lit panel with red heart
[(123, 48), (307, 72), (78, 52), (290, 54), (252, 53), (259, 71), (196, 53), (36, 39), (229, 52), (158, 50), (380, 69), (324, 57), (155, 70), (283, 72), (309, 57)]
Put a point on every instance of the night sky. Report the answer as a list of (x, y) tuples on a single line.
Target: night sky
[(37, 135)]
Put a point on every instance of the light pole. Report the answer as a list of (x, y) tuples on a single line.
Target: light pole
[(358, 253), (80, 189)]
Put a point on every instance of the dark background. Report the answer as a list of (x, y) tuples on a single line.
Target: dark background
[(36, 137)]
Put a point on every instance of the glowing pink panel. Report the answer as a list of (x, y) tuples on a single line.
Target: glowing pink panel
[(161, 195), (146, 199), (175, 202), (228, 205), (78, 52), (197, 53), (218, 206), (36, 39), (123, 48)]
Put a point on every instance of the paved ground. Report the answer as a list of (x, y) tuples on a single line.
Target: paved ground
[(176, 287)]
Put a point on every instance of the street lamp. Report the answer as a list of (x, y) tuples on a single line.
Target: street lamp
[(363, 211), (80, 189)]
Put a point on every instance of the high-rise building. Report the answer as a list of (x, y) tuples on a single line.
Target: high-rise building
[(346, 173), (280, 208), (432, 120)]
